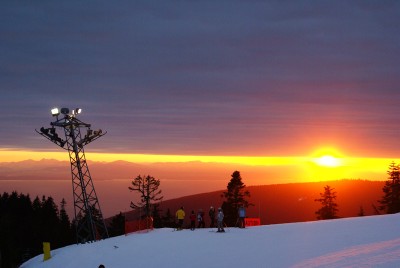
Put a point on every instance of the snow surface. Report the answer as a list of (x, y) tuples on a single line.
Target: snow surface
[(372, 241)]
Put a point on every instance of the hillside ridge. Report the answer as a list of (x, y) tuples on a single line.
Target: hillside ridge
[(290, 202)]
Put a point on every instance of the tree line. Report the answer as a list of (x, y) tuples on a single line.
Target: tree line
[(389, 203), (236, 196), (26, 224)]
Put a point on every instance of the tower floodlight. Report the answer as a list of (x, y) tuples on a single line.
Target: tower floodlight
[(65, 111), (89, 222), (55, 112)]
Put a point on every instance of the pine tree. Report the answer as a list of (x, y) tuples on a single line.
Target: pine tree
[(50, 221), (390, 202), (157, 221), (15, 229), (24, 225), (65, 228), (168, 219), (361, 212), (329, 206), (88, 224), (148, 189), (117, 226), (37, 221), (235, 197)]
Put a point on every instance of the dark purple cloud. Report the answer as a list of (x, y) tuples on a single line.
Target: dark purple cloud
[(205, 77)]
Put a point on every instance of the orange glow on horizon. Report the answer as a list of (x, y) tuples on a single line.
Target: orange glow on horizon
[(321, 166)]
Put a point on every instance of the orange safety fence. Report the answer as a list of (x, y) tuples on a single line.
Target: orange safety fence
[(138, 225)]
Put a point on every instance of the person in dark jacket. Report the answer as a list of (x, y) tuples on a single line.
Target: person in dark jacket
[(211, 213), (192, 220)]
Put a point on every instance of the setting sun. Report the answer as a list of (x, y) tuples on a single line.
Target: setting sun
[(328, 161)]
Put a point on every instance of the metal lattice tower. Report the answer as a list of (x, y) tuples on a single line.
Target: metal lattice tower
[(89, 222)]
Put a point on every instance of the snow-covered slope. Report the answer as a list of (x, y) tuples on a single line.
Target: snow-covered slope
[(365, 241)]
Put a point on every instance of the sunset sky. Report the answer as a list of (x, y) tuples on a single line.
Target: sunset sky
[(219, 81)]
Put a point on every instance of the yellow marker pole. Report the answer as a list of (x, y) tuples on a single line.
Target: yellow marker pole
[(46, 251)]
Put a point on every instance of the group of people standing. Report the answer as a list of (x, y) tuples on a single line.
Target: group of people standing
[(199, 217), (214, 215)]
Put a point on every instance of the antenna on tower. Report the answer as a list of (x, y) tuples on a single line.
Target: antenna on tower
[(89, 222)]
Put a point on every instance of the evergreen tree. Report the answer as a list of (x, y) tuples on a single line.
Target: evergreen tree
[(80, 224), (168, 219), (65, 228), (361, 212), (15, 228), (390, 202), (24, 225), (157, 220), (148, 190), (84, 226), (50, 221), (117, 226), (235, 197), (37, 221), (329, 206)]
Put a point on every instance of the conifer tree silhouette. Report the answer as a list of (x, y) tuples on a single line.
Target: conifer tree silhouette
[(329, 206)]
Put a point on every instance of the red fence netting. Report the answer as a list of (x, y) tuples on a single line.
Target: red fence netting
[(138, 225), (252, 221)]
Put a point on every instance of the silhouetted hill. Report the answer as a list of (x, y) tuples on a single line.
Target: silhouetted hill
[(294, 202)]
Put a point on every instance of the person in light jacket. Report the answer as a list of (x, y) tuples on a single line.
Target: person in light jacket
[(220, 221), (242, 216), (200, 219)]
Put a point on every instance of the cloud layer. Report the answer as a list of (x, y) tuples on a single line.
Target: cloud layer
[(209, 77)]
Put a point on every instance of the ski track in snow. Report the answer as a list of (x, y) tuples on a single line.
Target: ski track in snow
[(358, 256)]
